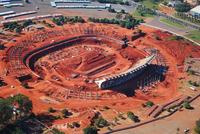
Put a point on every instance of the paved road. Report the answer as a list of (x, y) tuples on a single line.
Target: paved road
[(156, 22), (181, 119), (45, 8)]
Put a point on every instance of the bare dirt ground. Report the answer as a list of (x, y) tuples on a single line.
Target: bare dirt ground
[(51, 93)]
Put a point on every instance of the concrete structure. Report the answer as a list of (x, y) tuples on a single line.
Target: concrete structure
[(7, 13), (19, 14), (86, 6), (114, 80), (4, 3), (195, 11), (14, 5), (5, 0), (32, 18)]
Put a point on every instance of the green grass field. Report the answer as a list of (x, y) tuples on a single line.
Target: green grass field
[(171, 23), (136, 14), (150, 4), (194, 35)]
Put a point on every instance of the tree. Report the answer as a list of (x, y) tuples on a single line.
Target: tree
[(27, 23), (75, 124), (101, 122), (18, 30), (90, 130), (25, 105), (149, 103), (183, 7), (65, 112), (122, 23), (17, 130), (133, 117), (128, 25), (187, 105), (123, 11), (6, 111)]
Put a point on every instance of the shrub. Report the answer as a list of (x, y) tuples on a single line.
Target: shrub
[(65, 112), (56, 131), (149, 103), (101, 122), (128, 21), (133, 117), (63, 20), (184, 7), (90, 130), (51, 110), (187, 105)]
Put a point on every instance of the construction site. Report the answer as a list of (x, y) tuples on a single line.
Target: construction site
[(87, 67)]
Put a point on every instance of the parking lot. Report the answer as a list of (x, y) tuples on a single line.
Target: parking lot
[(43, 7)]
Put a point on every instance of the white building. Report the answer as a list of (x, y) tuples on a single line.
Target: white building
[(195, 11), (173, 3)]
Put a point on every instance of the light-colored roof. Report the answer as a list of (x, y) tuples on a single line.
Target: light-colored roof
[(196, 9)]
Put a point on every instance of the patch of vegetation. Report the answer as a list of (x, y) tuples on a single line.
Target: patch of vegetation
[(90, 130), (65, 113), (142, 14), (121, 2), (13, 109), (132, 116), (17, 27), (187, 17), (152, 4), (194, 35), (175, 38), (149, 103), (64, 20), (101, 122), (187, 105), (183, 7), (128, 21), (143, 11), (195, 84), (172, 23)]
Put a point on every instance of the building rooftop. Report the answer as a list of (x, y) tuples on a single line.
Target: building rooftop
[(196, 9)]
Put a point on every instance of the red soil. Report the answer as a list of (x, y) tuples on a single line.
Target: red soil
[(173, 51)]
